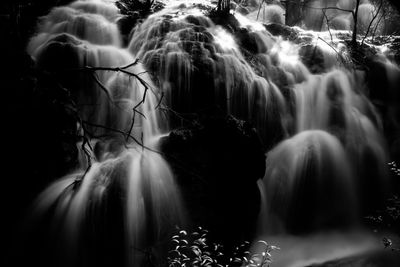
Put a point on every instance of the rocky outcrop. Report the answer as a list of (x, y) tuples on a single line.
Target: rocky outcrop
[(218, 163)]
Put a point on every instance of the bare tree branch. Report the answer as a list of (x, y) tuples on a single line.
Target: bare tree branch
[(327, 24), (159, 102), (123, 69), (377, 24), (372, 21), (259, 9), (334, 49)]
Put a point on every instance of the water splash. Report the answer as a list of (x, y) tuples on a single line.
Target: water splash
[(307, 184), (322, 248), (273, 89)]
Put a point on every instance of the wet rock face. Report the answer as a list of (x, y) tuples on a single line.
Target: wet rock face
[(199, 65), (286, 32), (182, 56), (313, 58), (218, 164)]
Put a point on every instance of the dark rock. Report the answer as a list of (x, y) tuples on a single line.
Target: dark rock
[(217, 164), (247, 41), (312, 56), (228, 21), (383, 82), (286, 32), (126, 24)]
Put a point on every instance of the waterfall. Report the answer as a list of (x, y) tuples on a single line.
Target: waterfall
[(307, 184), (129, 180), (326, 154), (199, 64)]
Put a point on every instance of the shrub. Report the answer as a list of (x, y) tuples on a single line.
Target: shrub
[(193, 249)]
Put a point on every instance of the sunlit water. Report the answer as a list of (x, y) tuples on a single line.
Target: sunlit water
[(318, 248), (323, 134), (86, 34)]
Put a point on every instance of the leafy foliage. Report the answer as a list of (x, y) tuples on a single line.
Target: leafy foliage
[(193, 249), (142, 7), (134, 12)]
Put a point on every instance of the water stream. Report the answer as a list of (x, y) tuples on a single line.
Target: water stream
[(325, 148)]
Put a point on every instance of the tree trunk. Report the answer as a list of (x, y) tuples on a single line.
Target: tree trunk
[(355, 18), (293, 12)]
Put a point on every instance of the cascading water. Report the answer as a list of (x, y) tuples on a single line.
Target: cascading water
[(331, 168), (273, 89), (127, 181), (199, 65), (326, 150), (308, 177)]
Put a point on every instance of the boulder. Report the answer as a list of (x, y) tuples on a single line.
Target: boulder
[(218, 163)]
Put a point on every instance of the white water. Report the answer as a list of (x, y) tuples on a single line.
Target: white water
[(85, 34), (319, 248), (322, 128)]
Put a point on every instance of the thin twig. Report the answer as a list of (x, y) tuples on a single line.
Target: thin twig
[(125, 134), (258, 13), (130, 65), (124, 70), (372, 21), (135, 110), (334, 49), (159, 102), (377, 24), (99, 83), (327, 23)]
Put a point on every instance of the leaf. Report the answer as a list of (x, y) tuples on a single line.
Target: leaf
[(387, 242), (183, 232), (262, 242), (197, 252), (236, 259), (174, 251)]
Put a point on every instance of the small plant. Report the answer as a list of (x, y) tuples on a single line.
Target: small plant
[(263, 259), (394, 169), (192, 249), (389, 217)]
